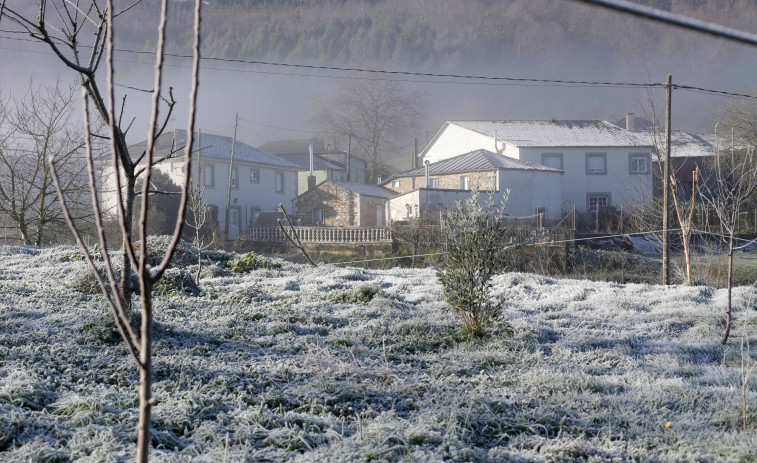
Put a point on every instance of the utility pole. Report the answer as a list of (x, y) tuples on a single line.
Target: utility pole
[(414, 164), (666, 188), (349, 154), (231, 169)]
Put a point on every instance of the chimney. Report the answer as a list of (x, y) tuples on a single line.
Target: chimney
[(428, 173), (311, 177), (311, 159), (630, 122)]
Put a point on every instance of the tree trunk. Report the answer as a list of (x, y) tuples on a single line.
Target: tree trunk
[(145, 372), (125, 283), (730, 288), (687, 254)]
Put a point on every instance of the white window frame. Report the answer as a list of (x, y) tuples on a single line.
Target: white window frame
[(254, 175), (433, 182), (607, 196), (465, 182), (603, 157), (633, 168), (235, 178), (395, 183), (208, 170), (279, 185), (545, 156)]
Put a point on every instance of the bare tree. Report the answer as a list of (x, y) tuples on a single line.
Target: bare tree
[(77, 34), (39, 126), (376, 114), (735, 180), (74, 19), (686, 221), (202, 239)]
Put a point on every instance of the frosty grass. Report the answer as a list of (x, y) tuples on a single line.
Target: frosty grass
[(344, 364)]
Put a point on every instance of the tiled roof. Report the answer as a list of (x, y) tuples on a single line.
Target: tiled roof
[(366, 189), (570, 133), (476, 161), (218, 147)]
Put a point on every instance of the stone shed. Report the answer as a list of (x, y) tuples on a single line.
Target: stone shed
[(343, 204)]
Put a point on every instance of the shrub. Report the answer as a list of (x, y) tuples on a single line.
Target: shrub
[(475, 252), (362, 294), (250, 262), (177, 281)]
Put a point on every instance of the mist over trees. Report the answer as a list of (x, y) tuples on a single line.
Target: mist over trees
[(448, 34)]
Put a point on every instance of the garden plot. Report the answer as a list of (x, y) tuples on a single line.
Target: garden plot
[(298, 364)]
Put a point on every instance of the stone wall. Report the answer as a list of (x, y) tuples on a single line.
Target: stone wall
[(339, 206), (485, 180)]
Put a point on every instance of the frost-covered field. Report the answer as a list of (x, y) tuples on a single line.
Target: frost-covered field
[(279, 365)]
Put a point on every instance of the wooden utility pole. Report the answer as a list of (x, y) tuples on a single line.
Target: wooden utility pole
[(414, 164), (666, 188), (231, 169)]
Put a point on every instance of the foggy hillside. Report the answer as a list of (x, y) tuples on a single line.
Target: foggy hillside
[(539, 39)]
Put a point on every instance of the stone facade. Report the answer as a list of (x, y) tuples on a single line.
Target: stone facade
[(339, 206), (483, 180)]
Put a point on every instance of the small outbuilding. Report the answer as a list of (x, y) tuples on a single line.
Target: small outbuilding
[(344, 204)]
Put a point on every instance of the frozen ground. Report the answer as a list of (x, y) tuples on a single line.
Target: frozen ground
[(280, 365)]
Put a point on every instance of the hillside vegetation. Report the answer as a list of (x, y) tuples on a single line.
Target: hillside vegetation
[(444, 34), (289, 363)]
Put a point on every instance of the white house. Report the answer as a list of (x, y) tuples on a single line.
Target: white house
[(601, 164), (260, 181)]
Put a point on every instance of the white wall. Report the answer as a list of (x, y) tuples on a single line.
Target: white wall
[(530, 190), (626, 190), (455, 140), (249, 196)]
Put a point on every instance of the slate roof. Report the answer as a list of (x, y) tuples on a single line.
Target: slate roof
[(556, 133), (303, 160), (365, 189), (684, 144), (301, 146), (477, 160), (218, 147)]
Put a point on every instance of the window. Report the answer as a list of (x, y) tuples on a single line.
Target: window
[(234, 220), (465, 182), (596, 201), (255, 175), (317, 216), (553, 160), (395, 183), (235, 177), (638, 163), (279, 182), (208, 175), (433, 183), (408, 210), (596, 163)]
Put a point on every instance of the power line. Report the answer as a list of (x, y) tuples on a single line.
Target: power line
[(478, 79), (678, 20)]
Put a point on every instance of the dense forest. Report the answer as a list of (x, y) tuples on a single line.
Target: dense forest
[(443, 34)]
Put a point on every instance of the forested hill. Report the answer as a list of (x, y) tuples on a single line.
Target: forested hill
[(441, 34)]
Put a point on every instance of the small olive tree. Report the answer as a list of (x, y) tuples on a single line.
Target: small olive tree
[(476, 250)]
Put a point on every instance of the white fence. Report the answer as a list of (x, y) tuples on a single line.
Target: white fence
[(325, 235)]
